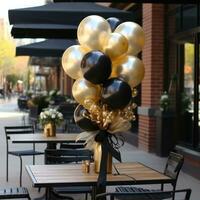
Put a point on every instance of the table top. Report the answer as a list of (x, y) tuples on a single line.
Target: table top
[(72, 175), (41, 138)]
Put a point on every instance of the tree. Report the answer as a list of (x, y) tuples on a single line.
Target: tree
[(11, 67), (7, 53)]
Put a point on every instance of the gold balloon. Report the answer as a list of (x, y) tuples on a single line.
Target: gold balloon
[(131, 70), (134, 34), (115, 45), (71, 60), (119, 60), (92, 31), (84, 90)]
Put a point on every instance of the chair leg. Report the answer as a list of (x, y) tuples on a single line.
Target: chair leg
[(20, 178), (174, 188), (33, 155), (162, 186), (33, 159), (7, 167), (29, 198), (86, 196)]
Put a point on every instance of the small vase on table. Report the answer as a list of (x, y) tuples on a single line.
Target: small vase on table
[(50, 129)]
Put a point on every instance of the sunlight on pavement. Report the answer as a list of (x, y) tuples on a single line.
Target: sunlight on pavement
[(9, 109), (11, 114)]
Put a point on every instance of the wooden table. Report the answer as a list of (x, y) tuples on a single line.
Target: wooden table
[(72, 175), (40, 138)]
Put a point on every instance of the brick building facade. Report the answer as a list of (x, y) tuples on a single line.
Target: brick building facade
[(152, 85)]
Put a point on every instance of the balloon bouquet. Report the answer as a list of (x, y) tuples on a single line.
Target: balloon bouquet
[(106, 70)]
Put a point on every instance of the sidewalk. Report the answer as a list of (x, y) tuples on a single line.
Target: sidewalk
[(9, 115)]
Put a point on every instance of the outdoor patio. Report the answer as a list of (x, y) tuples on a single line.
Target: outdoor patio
[(9, 115), (100, 68)]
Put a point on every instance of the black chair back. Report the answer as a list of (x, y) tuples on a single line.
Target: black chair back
[(72, 145), (63, 156), (174, 165), (67, 110), (73, 128), (155, 195), (9, 130)]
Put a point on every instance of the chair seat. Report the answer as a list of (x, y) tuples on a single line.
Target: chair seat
[(143, 196), (19, 192), (72, 190), (25, 153)]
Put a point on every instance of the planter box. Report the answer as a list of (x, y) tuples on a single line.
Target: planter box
[(165, 132)]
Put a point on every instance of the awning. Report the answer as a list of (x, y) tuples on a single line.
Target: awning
[(44, 31), (47, 48), (57, 17)]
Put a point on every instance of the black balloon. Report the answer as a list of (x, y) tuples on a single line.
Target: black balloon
[(114, 22), (82, 121), (116, 93), (96, 67)]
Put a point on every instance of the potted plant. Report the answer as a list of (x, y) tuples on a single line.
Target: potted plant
[(49, 119), (165, 122), (55, 97), (164, 102)]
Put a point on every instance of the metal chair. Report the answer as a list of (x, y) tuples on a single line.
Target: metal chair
[(33, 116), (68, 112), (73, 145), (63, 156), (172, 169), (9, 130), (154, 195), (14, 193), (73, 128)]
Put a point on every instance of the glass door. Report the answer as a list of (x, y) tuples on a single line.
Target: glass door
[(189, 89), (198, 88)]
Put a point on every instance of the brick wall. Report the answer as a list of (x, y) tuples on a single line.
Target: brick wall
[(152, 85)]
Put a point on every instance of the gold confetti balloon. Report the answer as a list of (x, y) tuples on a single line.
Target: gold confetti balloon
[(134, 34), (131, 70), (84, 90), (115, 45), (92, 31), (71, 60)]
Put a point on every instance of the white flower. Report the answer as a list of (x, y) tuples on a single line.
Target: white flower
[(60, 115), (164, 97), (53, 116)]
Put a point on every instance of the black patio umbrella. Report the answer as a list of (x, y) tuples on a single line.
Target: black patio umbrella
[(58, 20), (59, 31), (47, 48)]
